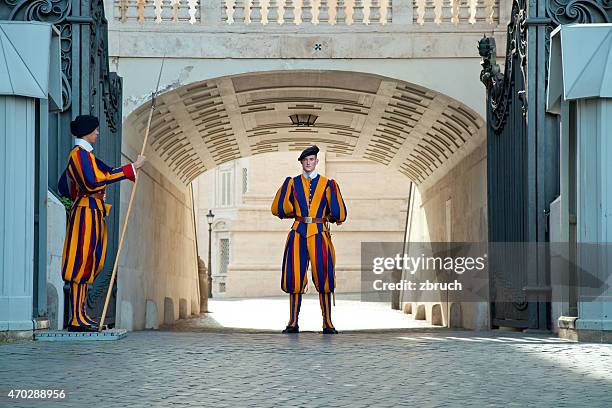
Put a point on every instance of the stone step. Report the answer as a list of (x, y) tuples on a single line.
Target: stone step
[(60, 335)]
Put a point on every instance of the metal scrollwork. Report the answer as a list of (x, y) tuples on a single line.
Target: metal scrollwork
[(66, 62), (101, 80), (48, 11), (501, 87), (112, 102), (579, 11)]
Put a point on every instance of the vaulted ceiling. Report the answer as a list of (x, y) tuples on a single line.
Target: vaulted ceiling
[(410, 128)]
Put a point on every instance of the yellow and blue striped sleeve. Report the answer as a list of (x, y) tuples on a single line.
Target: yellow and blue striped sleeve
[(337, 208), (282, 206), (92, 175)]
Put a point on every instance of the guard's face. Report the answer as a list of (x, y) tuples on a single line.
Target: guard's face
[(309, 163), (92, 137)]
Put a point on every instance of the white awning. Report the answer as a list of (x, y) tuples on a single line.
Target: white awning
[(30, 61), (580, 63)]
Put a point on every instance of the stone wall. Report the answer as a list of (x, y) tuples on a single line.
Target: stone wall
[(454, 209), (158, 268), (56, 233)]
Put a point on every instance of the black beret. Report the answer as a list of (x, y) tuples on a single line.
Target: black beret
[(83, 125), (309, 151)]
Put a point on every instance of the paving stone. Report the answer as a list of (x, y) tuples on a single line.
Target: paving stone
[(433, 369)]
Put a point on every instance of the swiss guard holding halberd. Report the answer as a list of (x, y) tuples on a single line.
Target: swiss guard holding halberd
[(84, 181), (312, 200)]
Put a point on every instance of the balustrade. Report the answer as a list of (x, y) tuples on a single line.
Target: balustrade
[(304, 12)]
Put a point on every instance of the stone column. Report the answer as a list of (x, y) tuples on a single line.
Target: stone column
[(17, 130), (579, 75), (594, 218)]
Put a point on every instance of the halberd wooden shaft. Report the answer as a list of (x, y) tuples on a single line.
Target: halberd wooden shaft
[(129, 208)]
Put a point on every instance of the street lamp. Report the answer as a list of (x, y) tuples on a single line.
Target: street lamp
[(209, 217)]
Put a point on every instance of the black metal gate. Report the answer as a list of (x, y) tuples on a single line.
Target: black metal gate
[(88, 88), (523, 153), (507, 165)]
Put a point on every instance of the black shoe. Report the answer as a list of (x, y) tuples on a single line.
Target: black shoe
[(330, 330), (88, 329), (291, 329)]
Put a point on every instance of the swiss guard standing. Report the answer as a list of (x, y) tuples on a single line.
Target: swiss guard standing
[(84, 181), (312, 200)]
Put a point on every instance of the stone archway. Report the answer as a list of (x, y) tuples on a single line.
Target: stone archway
[(198, 126), (418, 132)]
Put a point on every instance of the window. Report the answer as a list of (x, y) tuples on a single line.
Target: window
[(225, 190), (245, 186), (224, 261)]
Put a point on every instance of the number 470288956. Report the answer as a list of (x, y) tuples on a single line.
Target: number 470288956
[(36, 394)]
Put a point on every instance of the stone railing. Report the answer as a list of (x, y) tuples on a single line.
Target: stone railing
[(308, 12), (455, 11), (298, 12), (158, 11)]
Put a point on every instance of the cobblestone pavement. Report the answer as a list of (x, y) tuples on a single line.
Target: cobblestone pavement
[(420, 369)]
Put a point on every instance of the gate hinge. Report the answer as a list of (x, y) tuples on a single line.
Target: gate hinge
[(536, 21), (79, 20)]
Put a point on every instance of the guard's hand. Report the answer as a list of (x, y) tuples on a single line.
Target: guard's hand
[(139, 161)]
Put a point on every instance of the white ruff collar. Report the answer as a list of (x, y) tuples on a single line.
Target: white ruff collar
[(84, 144), (313, 174)]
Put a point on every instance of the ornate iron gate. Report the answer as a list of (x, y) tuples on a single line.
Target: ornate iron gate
[(88, 87), (523, 152)]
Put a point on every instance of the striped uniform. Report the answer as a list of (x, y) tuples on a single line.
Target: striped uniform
[(309, 243), (85, 245)]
